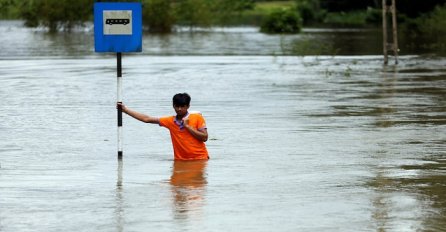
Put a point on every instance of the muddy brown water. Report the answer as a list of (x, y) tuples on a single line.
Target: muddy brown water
[(314, 143)]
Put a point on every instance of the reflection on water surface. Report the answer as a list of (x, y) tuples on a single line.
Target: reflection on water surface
[(188, 183)]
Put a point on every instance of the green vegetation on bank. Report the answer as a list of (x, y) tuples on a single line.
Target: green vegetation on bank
[(282, 21), (55, 14), (431, 24), (259, 11), (162, 16), (8, 10)]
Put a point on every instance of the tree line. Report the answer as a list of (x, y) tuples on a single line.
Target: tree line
[(158, 15), (163, 15)]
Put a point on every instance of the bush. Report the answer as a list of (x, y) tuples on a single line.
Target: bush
[(374, 16), (56, 14), (282, 21), (310, 11), (434, 23), (194, 13), (158, 16)]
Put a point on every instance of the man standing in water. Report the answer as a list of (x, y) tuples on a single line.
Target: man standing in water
[(187, 130)]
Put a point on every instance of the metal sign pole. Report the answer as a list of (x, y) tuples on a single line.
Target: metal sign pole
[(118, 28), (119, 74)]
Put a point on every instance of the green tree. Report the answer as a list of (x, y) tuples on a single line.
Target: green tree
[(194, 13), (226, 11), (56, 14), (433, 24), (410, 8), (347, 5), (158, 16), (282, 21), (6, 7), (161, 16), (310, 10)]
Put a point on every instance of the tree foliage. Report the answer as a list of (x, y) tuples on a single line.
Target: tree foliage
[(158, 16), (433, 24), (227, 10), (5, 7), (410, 8), (347, 5), (417, 8), (56, 14), (195, 13), (162, 15), (282, 21), (310, 10)]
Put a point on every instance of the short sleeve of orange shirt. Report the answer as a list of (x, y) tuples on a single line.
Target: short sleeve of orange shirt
[(185, 145)]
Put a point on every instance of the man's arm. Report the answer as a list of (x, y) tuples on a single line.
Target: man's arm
[(139, 116), (201, 135)]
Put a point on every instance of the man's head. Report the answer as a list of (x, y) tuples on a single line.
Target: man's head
[(181, 102), (181, 99)]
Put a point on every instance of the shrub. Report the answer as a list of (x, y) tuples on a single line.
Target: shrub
[(374, 16), (194, 13), (282, 21), (310, 11), (158, 16), (434, 23), (55, 14)]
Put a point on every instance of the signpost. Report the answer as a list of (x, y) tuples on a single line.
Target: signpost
[(118, 28)]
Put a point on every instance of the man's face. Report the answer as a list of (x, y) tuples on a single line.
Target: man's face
[(181, 110)]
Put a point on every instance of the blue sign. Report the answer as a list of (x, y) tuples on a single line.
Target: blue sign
[(117, 27)]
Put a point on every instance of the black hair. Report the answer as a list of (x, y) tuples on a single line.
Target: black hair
[(181, 99)]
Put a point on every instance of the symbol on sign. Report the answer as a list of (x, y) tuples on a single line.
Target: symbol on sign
[(117, 21)]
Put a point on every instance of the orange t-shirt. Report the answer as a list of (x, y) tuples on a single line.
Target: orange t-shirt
[(185, 145)]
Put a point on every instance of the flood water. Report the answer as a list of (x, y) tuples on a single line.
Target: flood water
[(297, 143)]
